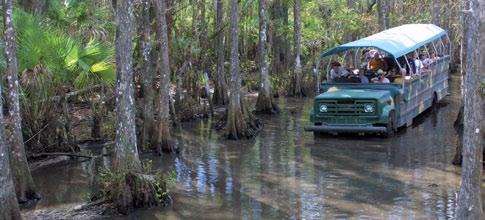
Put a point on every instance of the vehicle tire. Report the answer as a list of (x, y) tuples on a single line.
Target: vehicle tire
[(391, 125), (434, 105)]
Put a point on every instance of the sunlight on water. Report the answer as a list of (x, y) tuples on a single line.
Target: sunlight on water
[(287, 173)]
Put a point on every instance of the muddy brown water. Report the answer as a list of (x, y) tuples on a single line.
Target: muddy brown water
[(286, 173)]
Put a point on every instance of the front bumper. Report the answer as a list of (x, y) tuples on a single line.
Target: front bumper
[(345, 128)]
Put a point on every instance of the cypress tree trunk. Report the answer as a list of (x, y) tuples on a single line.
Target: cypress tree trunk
[(348, 36), (265, 102), (240, 122), (298, 71), (276, 66), (147, 73), (381, 14), (126, 151), (24, 184), (9, 209), (164, 137), (220, 90), (469, 197), (436, 10)]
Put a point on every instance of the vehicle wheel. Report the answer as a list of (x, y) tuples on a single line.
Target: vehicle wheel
[(434, 105), (391, 125)]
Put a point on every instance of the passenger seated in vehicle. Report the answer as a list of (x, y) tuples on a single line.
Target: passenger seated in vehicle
[(419, 64), (411, 64), (400, 77), (392, 72), (432, 58), (362, 77), (424, 64), (381, 78), (365, 58), (337, 71), (377, 62)]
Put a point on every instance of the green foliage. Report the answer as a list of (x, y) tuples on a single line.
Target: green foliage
[(91, 64), (66, 61), (52, 62), (79, 18)]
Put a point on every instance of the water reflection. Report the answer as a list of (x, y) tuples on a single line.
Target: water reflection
[(287, 173)]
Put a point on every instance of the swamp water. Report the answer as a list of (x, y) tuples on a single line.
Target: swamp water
[(286, 173)]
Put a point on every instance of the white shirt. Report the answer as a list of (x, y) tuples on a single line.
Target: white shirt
[(419, 65), (341, 70)]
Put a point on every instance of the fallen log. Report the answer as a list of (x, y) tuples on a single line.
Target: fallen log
[(56, 154)]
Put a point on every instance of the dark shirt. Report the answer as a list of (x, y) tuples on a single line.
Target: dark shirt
[(412, 64)]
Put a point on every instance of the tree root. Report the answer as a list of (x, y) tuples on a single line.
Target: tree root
[(130, 190)]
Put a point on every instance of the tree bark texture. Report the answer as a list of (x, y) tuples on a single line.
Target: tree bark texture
[(9, 209), (382, 14), (265, 102), (220, 90), (348, 36), (165, 143), (35, 6), (469, 196), (279, 43), (298, 71), (436, 10), (126, 151), (24, 184), (240, 122), (147, 74)]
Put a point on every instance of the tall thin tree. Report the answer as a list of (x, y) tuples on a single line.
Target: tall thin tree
[(298, 71), (382, 14), (148, 130), (9, 209), (220, 89), (165, 143), (436, 10), (240, 122), (24, 184), (126, 151), (469, 196), (265, 102)]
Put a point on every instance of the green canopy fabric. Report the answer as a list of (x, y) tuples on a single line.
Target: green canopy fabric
[(396, 41)]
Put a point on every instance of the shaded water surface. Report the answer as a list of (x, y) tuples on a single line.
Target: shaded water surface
[(287, 173)]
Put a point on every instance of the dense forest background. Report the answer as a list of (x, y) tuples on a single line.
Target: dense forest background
[(66, 56), (126, 72)]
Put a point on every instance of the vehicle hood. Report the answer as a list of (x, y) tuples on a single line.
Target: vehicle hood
[(335, 93)]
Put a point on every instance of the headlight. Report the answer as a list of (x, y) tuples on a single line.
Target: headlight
[(369, 108), (323, 108)]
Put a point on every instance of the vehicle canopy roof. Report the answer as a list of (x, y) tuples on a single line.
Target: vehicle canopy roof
[(397, 41)]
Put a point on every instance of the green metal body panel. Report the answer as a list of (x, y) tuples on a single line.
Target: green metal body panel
[(350, 99)]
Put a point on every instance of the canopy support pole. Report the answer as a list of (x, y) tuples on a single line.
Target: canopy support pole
[(327, 71)]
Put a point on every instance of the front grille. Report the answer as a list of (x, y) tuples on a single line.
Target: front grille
[(345, 107)]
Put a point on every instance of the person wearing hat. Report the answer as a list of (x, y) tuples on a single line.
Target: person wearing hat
[(381, 78)]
